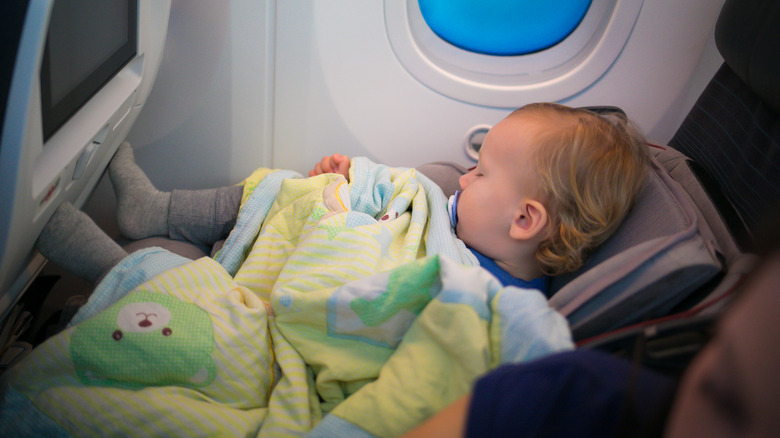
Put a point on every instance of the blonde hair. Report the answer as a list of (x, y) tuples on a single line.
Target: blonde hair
[(591, 169)]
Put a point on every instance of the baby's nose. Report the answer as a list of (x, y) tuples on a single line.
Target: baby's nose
[(464, 180)]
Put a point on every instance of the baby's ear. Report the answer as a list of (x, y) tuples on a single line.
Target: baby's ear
[(529, 220)]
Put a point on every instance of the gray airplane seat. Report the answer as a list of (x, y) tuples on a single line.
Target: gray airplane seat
[(726, 155), (726, 159)]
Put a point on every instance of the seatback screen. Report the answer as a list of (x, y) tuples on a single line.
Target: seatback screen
[(87, 43)]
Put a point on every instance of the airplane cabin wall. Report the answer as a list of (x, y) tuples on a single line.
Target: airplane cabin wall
[(207, 122), (270, 83)]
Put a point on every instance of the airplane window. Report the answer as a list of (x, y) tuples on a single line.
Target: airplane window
[(500, 52), (503, 27)]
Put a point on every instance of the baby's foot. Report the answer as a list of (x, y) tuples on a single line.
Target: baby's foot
[(142, 209)]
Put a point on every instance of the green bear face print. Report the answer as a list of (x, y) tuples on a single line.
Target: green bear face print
[(146, 338)]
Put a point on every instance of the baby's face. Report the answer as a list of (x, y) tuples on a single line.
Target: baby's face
[(493, 190)]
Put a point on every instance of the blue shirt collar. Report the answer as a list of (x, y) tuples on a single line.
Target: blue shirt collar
[(507, 279)]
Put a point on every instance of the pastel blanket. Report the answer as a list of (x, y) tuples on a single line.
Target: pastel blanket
[(334, 309)]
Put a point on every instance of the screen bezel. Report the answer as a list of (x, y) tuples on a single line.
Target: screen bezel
[(53, 116)]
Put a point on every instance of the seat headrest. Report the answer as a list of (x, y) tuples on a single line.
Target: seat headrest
[(748, 36)]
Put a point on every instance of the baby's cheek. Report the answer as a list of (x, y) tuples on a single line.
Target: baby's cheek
[(463, 231), (459, 230)]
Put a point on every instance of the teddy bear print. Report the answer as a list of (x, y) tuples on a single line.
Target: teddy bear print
[(147, 338)]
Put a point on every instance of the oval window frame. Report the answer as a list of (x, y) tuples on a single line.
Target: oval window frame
[(554, 74)]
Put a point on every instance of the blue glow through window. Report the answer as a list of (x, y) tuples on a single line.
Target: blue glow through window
[(503, 27)]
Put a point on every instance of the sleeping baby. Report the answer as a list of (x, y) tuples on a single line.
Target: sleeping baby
[(552, 183)]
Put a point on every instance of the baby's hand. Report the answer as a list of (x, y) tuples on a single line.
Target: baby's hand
[(335, 163)]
